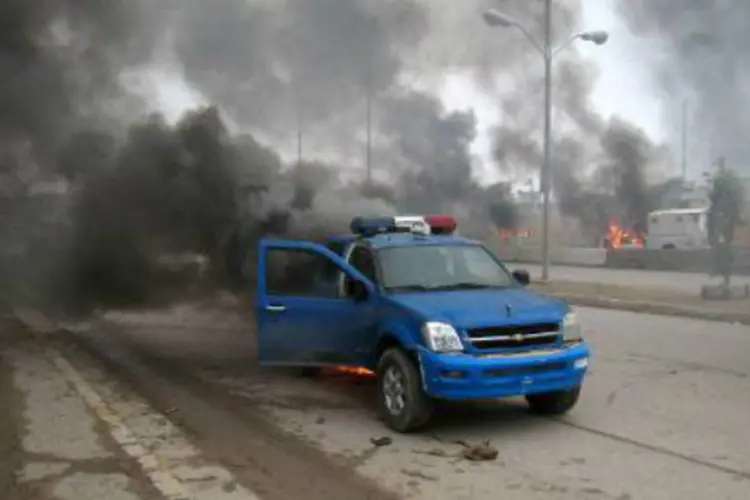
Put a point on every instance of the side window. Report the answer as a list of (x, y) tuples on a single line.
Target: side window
[(300, 273), (363, 261)]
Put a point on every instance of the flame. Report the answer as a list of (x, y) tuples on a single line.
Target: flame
[(619, 236), (354, 370)]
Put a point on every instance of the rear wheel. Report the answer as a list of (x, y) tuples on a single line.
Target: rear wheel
[(401, 402), (554, 403)]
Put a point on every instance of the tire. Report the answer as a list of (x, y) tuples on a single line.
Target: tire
[(554, 403), (417, 406)]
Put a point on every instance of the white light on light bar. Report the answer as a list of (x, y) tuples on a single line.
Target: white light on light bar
[(412, 223)]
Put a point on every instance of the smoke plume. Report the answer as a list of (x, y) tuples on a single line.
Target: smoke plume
[(703, 56), (133, 189), (600, 168)]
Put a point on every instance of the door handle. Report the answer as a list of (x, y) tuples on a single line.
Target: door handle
[(275, 308)]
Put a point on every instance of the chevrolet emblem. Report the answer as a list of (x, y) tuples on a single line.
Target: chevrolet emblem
[(517, 337)]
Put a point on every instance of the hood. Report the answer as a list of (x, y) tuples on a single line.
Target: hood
[(478, 308)]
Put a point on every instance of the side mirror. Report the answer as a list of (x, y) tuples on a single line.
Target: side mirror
[(356, 290), (522, 276)]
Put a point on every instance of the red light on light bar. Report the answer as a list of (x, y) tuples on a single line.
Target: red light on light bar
[(441, 224)]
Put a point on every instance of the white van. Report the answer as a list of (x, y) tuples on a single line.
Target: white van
[(683, 229)]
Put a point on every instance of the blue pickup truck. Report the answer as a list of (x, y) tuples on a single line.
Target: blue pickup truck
[(434, 315)]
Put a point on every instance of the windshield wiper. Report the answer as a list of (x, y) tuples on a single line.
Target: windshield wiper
[(463, 286), (408, 288), (441, 288)]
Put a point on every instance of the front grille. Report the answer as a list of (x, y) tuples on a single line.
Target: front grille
[(525, 370), (514, 336)]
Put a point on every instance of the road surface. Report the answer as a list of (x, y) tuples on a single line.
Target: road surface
[(663, 415), (626, 277)]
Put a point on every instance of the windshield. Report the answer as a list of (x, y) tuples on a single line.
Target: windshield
[(440, 267)]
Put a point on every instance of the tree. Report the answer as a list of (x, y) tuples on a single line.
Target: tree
[(727, 200)]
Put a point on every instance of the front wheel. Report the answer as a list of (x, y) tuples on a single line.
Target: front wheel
[(401, 402), (554, 403)]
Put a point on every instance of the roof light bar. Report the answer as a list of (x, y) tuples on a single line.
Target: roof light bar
[(370, 226), (416, 224), (412, 224), (441, 224)]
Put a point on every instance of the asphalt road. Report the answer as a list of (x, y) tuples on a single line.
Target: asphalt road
[(626, 277), (663, 415)]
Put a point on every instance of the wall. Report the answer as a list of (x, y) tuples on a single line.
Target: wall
[(698, 261), (530, 251)]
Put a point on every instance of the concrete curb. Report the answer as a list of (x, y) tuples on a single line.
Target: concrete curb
[(655, 308)]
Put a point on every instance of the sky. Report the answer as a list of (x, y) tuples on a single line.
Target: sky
[(622, 87)]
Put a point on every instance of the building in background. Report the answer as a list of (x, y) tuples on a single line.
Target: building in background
[(685, 195)]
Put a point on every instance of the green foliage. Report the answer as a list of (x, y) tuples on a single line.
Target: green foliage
[(727, 200)]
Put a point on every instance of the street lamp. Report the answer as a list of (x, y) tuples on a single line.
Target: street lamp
[(495, 18)]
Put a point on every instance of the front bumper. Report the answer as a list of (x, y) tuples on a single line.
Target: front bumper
[(471, 377)]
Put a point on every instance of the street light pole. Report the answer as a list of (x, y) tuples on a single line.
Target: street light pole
[(368, 146), (545, 174), (495, 18)]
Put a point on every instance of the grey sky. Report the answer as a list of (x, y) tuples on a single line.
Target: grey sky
[(623, 88)]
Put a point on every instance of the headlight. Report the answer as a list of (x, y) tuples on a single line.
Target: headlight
[(571, 328), (441, 337)]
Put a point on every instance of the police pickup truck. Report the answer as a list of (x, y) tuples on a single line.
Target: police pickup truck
[(434, 315)]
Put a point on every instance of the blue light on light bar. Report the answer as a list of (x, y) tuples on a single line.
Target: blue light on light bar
[(370, 226)]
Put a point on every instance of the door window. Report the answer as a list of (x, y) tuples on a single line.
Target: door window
[(299, 272)]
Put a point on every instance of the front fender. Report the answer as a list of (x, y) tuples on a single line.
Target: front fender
[(406, 335)]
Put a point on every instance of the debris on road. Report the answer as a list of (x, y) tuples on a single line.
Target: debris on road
[(482, 452), (381, 441), (479, 452)]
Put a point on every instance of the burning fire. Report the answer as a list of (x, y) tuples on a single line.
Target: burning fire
[(354, 370), (618, 236)]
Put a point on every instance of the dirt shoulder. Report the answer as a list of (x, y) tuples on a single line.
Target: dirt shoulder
[(648, 300), (159, 361), (11, 424)]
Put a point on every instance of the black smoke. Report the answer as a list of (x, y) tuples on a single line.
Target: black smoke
[(628, 153), (139, 189), (279, 63), (60, 63), (601, 169)]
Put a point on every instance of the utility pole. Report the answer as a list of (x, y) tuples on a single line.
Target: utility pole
[(545, 175), (684, 139), (493, 17), (368, 125), (299, 137), (368, 145)]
